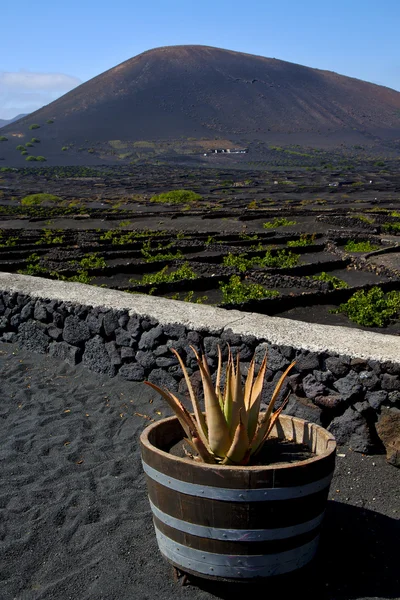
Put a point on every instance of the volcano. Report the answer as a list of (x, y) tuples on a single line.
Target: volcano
[(199, 92)]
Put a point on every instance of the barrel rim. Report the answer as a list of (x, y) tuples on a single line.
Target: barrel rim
[(330, 443)]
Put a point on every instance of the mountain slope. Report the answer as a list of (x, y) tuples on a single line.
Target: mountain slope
[(198, 91), (4, 122)]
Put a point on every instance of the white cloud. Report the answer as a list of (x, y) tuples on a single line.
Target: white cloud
[(26, 91), (26, 80)]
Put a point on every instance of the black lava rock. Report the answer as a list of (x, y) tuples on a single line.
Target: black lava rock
[(63, 351), (336, 366), (351, 429), (324, 377), (123, 318), (368, 379), (127, 353), (211, 347), (132, 372), (394, 398), (307, 361), (233, 339), (312, 387), (15, 321), (123, 337), (146, 359), (58, 319), (95, 323), (174, 330), (75, 331), (40, 312), (54, 332), (3, 324), (194, 339), (163, 379), (164, 362), (376, 399), (150, 338), (390, 382), (275, 360), (9, 337), (297, 407), (330, 401), (391, 368), (163, 350), (32, 337), (113, 353), (27, 311), (133, 327), (349, 386), (96, 358), (244, 351), (110, 322)]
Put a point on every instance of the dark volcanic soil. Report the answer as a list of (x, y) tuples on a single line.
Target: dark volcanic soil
[(102, 226), (75, 518), (274, 451)]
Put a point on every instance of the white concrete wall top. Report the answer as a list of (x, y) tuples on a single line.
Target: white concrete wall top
[(282, 332)]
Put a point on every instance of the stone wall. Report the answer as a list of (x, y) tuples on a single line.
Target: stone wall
[(342, 391)]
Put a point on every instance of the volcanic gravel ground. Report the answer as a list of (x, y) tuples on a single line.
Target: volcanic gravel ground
[(75, 522)]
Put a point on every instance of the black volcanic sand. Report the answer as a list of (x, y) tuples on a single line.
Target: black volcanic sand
[(107, 212), (75, 520)]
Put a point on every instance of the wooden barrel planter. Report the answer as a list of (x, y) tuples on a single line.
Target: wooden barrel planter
[(238, 523)]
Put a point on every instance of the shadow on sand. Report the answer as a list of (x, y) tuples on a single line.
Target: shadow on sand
[(358, 558)]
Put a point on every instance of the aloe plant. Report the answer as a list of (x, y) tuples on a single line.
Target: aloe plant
[(233, 429)]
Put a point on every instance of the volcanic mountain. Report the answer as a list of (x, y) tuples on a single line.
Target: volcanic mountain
[(182, 92), (4, 122)]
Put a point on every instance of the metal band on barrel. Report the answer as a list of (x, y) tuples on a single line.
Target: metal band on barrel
[(239, 566), (237, 495), (236, 535)]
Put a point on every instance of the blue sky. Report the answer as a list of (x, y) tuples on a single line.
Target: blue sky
[(49, 47)]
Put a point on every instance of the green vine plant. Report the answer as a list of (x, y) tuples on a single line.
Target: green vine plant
[(188, 297), (177, 197), (80, 277), (282, 259), (364, 218), (50, 236), (237, 292), (33, 266), (199, 299), (247, 237), (259, 247), (353, 246), (92, 261), (88, 262), (151, 255), (10, 241), (210, 240), (38, 199), (278, 222), (168, 276), (118, 238), (335, 281), (392, 227), (305, 240), (371, 309), (239, 261)]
